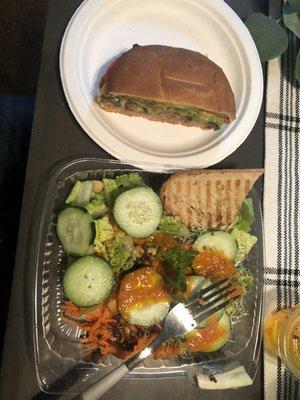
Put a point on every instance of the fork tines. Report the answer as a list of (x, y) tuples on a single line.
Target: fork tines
[(203, 315), (218, 300), (199, 295)]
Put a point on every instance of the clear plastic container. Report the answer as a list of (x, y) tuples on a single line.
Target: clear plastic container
[(60, 365)]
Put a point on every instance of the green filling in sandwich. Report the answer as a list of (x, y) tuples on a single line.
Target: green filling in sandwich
[(154, 108)]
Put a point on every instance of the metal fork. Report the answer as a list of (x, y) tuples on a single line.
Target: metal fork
[(181, 319)]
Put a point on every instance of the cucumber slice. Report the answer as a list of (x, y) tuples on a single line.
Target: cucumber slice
[(138, 211), (194, 284), (225, 325), (211, 338), (234, 378), (88, 281), (143, 299), (219, 241), (75, 231), (151, 314)]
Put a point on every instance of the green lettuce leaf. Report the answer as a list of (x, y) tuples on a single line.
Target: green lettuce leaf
[(245, 243), (74, 193), (81, 194), (104, 229), (246, 216), (114, 187), (175, 262), (151, 107), (110, 189), (97, 207), (104, 232), (129, 181), (173, 226), (121, 254)]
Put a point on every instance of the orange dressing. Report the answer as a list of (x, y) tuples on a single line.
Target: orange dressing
[(204, 339), (166, 241), (213, 265), (166, 352), (157, 265), (139, 289), (271, 331), (162, 240), (282, 337), (200, 339)]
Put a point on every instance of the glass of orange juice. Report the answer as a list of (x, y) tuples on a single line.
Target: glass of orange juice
[(282, 337)]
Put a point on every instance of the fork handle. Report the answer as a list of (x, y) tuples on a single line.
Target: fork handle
[(99, 388), (142, 355)]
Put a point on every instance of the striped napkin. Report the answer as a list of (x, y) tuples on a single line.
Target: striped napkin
[(282, 207)]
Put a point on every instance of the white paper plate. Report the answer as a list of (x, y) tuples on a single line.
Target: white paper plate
[(102, 29)]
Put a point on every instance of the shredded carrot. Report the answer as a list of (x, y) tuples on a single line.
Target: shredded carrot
[(72, 309), (140, 242), (96, 327), (97, 324)]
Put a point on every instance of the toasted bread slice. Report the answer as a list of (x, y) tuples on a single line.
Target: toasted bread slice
[(207, 198)]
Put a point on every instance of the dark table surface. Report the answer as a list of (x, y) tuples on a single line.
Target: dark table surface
[(56, 136)]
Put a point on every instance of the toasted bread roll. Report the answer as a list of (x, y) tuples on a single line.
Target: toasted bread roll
[(168, 84)]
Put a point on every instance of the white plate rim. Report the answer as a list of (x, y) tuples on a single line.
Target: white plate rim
[(139, 156)]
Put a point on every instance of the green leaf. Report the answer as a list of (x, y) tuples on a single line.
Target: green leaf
[(104, 231), (114, 187), (177, 257), (295, 5), (245, 243), (176, 278), (175, 262), (291, 19), (173, 226), (74, 193), (270, 38), (297, 67), (246, 216), (97, 207), (120, 254)]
